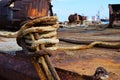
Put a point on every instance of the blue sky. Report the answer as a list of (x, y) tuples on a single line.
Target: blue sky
[(63, 8)]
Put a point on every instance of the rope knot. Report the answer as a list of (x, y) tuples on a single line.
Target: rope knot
[(37, 32)]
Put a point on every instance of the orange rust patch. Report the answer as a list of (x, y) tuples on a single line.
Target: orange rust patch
[(87, 67)]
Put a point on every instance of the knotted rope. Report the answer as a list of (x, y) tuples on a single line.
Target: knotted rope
[(39, 36), (45, 28)]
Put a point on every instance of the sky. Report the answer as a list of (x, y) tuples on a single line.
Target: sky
[(89, 8)]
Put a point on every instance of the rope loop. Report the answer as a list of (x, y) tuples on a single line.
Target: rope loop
[(38, 32)]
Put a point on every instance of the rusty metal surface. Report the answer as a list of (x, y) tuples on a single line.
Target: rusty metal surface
[(76, 18), (31, 8), (14, 66), (16, 69), (22, 10), (114, 14), (83, 62), (19, 68)]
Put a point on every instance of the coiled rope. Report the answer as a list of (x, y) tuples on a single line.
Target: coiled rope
[(48, 34), (45, 28), (38, 37)]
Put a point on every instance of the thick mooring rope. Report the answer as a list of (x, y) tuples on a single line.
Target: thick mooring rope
[(36, 37), (93, 44), (45, 27), (48, 35)]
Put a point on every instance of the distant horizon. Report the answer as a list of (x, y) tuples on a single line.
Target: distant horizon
[(63, 8)]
